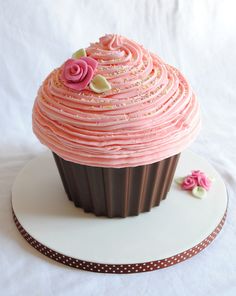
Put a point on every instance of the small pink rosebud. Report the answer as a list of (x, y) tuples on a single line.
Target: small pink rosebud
[(189, 183), (204, 182), (201, 179)]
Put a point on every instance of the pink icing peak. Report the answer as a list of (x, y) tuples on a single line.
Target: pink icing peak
[(77, 73), (111, 41), (149, 114)]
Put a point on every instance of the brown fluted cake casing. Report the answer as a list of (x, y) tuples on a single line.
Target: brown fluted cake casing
[(115, 192)]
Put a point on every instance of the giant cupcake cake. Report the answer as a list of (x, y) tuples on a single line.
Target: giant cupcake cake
[(116, 118)]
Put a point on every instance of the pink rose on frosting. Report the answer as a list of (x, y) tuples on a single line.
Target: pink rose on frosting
[(201, 179), (77, 73), (189, 183)]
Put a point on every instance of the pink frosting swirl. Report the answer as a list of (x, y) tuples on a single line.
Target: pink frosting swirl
[(149, 114)]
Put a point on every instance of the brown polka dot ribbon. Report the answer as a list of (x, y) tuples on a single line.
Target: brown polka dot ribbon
[(118, 268)]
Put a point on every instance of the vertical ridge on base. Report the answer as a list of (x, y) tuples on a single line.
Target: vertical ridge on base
[(127, 191), (143, 187), (167, 166), (107, 183)]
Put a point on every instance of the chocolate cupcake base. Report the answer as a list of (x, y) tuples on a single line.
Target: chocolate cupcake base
[(117, 192)]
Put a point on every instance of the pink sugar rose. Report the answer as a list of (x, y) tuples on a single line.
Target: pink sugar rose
[(189, 183), (201, 179), (197, 174), (77, 73), (204, 182)]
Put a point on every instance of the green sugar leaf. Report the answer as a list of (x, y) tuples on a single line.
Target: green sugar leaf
[(79, 53), (99, 84)]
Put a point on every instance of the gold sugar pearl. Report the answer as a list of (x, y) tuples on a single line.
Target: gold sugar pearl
[(109, 106), (116, 90)]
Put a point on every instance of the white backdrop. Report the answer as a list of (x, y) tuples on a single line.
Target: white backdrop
[(198, 37)]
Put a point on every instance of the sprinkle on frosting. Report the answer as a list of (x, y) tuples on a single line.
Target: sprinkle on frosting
[(150, 112), (198, 183)]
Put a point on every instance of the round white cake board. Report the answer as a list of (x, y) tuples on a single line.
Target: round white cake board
[(176, 230)]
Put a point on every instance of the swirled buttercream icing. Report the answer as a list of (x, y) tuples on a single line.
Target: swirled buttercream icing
[(149, 113)]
